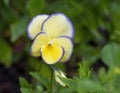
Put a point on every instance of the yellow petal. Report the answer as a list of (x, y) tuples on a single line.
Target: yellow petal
[(34, 26), (58, 25), (39, 40), (51, 53), (67, 44)]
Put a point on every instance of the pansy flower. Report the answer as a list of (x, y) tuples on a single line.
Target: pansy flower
[(52, 35)]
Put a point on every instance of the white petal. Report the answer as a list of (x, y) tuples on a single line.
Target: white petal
[(58, 25), (34, 26)]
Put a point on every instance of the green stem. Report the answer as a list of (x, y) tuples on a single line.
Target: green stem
[(52, 80)]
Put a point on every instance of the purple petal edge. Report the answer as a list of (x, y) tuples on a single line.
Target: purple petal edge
[(68, 38), (58, 59), (71, 43), (30, 24), (34, 41), (72, 27)]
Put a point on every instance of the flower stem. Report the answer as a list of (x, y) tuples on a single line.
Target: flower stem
[(52, 80)]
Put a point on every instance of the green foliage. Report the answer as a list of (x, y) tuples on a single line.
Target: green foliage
[(110, 54), (86, 85), (95, 21), (19, 28), (66, 90), (97, 37), (24, 83), (6, 2), (84, 71), (28, 88), (6, 53), (35, 7), (77, 84), (43, 80), (106, 82), (68, 7), (106, 77)]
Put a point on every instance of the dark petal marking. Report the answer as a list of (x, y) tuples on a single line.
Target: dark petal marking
[(65, 37), (39, 34), (31, 23), (62, 54), (44, 22), (34, 41), (56, 61), (66, 19), (71, 43), (68, 38)]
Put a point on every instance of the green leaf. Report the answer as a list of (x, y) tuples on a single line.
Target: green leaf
[(83, 85), (102, 74), (69, 82), (110, 54), (19, 28), (68, 7), (107, 77), (45, 70), (42, 79), (20, 5), (89, 86), (27, 90), (8, 14), (35, 7), (84, 70), (6, 2), (66, 90), (40, 66), (117, 82), (39, 89), (6, 53), (24, 83)]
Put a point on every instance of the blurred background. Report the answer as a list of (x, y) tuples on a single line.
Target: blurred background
[(96, 23)]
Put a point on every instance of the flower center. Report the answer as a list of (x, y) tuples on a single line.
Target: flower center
[(49, 44)]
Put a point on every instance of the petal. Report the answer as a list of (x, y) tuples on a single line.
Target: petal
[(34, 26), (58, 25), (51, 53), (58, 73), (39, 40), (67, 44)]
